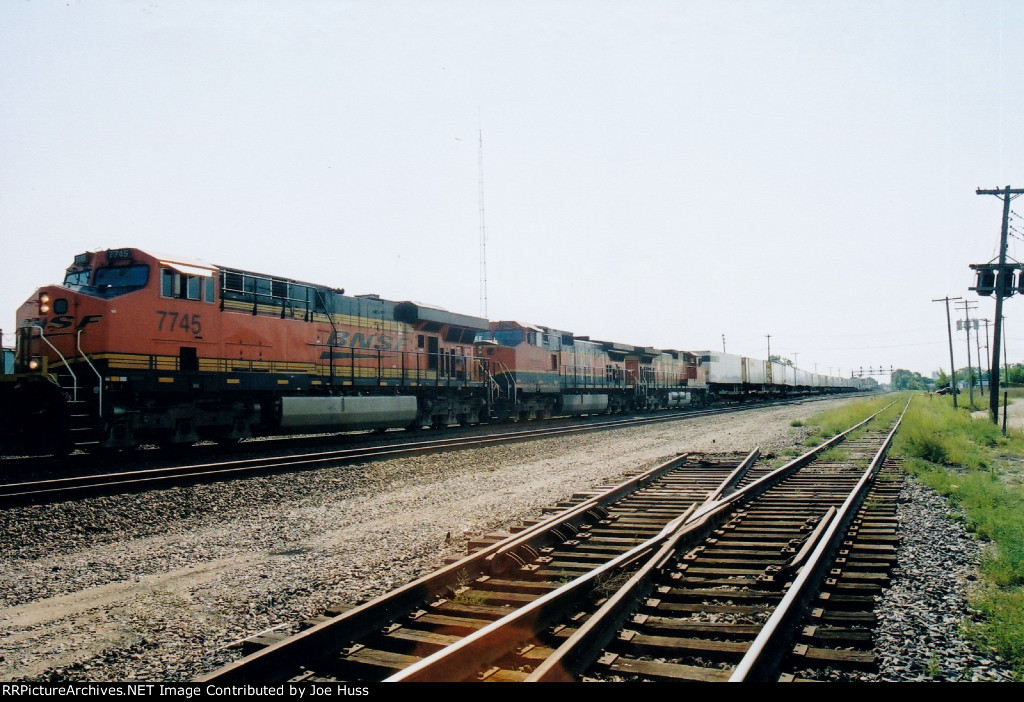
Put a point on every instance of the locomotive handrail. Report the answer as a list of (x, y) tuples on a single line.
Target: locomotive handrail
[(515, 386), (74, 378), (99, 385), (494, 390)]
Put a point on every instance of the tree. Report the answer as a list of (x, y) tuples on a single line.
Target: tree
[(970, 374), (774, 358), (1015, 374), (941, 380), (903, 379)]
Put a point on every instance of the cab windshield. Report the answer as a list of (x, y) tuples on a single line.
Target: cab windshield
[(77, 277), (112, 281), (504, 338)]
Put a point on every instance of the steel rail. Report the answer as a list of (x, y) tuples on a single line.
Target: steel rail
[(28, 464), (791, 467), (733, 478), (279, 660), (768, 647), (276, 660), (147, 478), (458, 661), (55, 489), (608, 496), (572, 656)]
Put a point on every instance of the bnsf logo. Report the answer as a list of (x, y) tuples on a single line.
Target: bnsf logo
[(63, 321), (358, 340)]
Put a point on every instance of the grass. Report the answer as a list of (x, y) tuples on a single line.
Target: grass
[(827, 424), (837, 454), (970, 462)]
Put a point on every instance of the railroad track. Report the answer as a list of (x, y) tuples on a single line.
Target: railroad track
[(57, 489), (690, 571)]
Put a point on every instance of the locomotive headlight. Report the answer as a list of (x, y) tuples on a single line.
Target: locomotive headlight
[(44, 303), (34, 364)]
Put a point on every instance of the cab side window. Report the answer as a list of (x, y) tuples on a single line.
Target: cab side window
[(185, 287)]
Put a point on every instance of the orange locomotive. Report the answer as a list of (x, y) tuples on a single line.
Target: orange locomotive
[(543, 371), (137, 348)]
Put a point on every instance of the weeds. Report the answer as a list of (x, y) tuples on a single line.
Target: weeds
[(827, 424), (837, 454), (462, 593), (470, 596), (958, 457)]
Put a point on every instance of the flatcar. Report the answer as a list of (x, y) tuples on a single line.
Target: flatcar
[(139, 348)]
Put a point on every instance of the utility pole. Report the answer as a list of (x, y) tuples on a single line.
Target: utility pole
[(1006, 362), (723, 343), (977, 345), (970, 365), (987, 351), (949, 330), (1006, 194)]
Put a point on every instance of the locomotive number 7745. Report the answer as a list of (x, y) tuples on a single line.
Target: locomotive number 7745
[(183, 322)]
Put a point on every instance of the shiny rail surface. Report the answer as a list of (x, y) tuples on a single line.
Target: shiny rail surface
[(676, 574), (73, 487), (740, 552), (503, 574)]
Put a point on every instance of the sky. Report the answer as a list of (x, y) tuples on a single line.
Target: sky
[(655, 173)]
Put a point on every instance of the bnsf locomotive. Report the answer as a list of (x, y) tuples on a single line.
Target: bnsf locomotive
[(136, 348)]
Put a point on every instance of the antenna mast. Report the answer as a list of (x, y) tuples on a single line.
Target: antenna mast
[(483, 232)]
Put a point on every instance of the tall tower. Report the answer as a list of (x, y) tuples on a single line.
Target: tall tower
[(483, 232)]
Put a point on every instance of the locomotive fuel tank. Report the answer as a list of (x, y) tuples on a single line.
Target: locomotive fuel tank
[(348, 413), (584, 404)]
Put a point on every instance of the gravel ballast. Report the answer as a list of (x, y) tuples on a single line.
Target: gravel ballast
[(920, 618), (159, 585)]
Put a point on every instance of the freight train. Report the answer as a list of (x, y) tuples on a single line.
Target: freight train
[(139, 348)]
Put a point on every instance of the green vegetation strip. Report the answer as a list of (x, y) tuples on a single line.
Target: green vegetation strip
[(979, 470), (827, 424)]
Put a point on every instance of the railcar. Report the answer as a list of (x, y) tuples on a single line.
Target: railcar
[(739, 377)]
